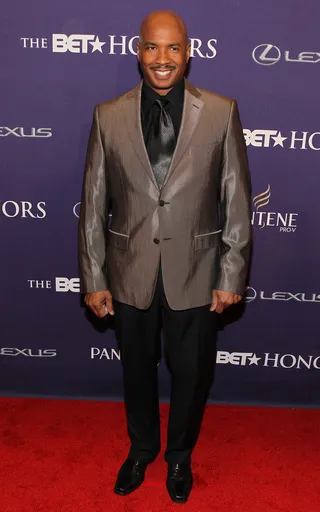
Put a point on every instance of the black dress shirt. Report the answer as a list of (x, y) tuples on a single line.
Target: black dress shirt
[(175, 107)]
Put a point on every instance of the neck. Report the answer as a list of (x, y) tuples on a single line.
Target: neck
[(162, 92)]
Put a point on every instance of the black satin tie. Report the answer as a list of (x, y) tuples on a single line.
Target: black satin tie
[(161, 141)]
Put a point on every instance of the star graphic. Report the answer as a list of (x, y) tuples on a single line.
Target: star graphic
[(97, 45), (254, 360), (278, 140)]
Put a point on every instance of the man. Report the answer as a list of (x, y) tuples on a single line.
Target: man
[(171, 160)]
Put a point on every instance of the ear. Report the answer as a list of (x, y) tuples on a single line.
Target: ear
[(138, 50), (188, 52)]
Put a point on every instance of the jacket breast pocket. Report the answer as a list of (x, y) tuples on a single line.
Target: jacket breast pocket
[(207, 240), (119, 240)]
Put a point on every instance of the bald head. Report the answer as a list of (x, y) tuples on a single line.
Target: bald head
[(163, 18), (163, 50)]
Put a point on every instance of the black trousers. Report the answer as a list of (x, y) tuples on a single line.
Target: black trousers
[(190, 350)]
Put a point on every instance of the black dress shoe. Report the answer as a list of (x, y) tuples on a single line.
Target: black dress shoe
[(179, 482), (130, 476)]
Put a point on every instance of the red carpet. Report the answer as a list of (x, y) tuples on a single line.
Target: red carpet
[(61, 456)]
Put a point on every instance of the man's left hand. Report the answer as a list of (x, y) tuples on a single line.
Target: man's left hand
[(221, 300)]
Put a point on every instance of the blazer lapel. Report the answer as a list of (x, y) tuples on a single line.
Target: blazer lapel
[(190, 118), (132, 115)]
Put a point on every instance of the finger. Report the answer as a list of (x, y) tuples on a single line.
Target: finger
[(220, 308), (93, 309), (214, 303), (109, 305), (100, 310), (91, 305), (218, 304)]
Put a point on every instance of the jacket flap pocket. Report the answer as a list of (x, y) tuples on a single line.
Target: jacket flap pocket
[(118, 240), (207, 240)]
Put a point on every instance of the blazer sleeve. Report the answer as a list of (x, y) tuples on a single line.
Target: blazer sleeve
[(235, 208), (93, 214)]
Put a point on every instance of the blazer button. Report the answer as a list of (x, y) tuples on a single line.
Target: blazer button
[(161, 202), (156, 240)]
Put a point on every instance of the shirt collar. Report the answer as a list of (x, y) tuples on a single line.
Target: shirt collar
[(175, 96)]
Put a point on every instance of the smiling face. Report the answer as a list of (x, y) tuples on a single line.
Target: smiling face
[(163, 50)]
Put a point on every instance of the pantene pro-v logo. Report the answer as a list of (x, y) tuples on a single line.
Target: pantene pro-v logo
[(285, 222)]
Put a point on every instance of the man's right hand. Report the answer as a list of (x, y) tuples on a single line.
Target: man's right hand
[(100, 303)]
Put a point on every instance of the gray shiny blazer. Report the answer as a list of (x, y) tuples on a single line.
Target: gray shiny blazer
[(199, 222)]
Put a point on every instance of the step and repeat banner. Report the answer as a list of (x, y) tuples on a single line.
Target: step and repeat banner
[(60, 59)]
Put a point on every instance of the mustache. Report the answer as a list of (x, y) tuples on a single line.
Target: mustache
[(162, 68)]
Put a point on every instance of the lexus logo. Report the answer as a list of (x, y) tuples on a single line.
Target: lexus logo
[(76, 210), (266, 54), (250, 294)]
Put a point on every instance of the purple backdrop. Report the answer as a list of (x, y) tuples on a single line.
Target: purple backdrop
[(59, 61)]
